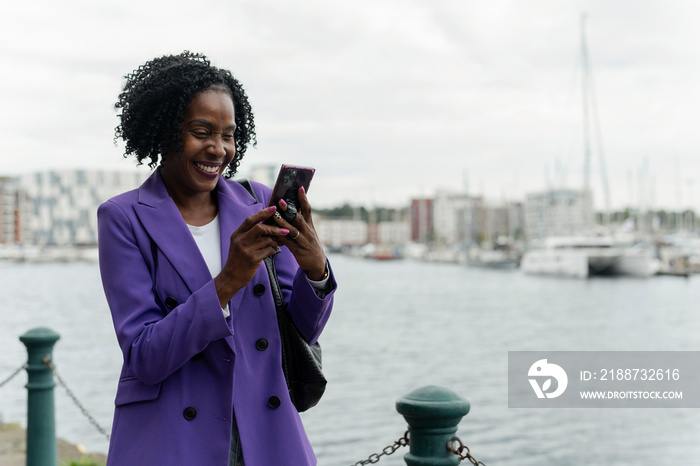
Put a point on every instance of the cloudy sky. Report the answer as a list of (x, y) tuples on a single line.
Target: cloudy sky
[(387, 99)]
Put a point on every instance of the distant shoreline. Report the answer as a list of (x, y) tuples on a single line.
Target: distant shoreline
[(12, 253)]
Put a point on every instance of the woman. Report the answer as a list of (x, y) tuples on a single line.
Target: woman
[(180, 259)]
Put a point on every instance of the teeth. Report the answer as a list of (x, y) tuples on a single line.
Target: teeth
[(206, 168)]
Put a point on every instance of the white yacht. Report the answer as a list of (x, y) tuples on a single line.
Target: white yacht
[(637, 260), (583, 256), (578, 257)]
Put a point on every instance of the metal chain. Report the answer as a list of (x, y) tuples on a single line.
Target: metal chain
[(455, 445), (460, 451), (375, 457), (14, 374), (49, 364)]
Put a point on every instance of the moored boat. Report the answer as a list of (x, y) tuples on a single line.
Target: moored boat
[(577, 257), (492, 258)]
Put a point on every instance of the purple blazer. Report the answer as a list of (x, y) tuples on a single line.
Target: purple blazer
[(187, 367)]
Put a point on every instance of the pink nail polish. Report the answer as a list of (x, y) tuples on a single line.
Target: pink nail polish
[(271, 208), (303, 191), (284, 231), (283, 203)]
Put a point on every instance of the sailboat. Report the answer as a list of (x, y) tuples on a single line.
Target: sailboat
[(588, 254)]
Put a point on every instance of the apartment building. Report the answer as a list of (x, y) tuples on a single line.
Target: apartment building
[(336, 233), (557, 212), (14, 212), (63, 203), (421, 220), (456, 218)]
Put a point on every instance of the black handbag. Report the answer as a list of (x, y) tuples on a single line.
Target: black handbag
[(301, 362)]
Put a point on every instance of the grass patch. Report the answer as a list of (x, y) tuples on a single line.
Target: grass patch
[(9, 427), (84, 461)]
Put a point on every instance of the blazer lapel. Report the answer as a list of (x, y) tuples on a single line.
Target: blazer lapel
[(164, 223), (235, 205)]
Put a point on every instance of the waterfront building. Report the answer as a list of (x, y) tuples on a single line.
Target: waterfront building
[(395, 233), (502, 222), (495, 222), (421, 220), (337, 233), (557, 212), (516, 220), (457, 218), (63, 203), (14, 212)]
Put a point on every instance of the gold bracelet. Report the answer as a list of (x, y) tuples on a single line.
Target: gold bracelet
[(325, 274)]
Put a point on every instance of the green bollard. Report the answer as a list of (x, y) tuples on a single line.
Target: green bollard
[(41, 424), (433, 414)]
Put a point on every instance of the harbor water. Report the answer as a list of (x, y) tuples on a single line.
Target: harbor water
[(398, 326)]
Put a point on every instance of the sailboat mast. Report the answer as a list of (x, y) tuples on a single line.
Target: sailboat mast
[(585, 77)]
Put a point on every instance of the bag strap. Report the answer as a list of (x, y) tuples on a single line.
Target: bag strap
[(154, 267), (275, 284), (246, 184)]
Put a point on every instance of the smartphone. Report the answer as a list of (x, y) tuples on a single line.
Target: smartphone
[(289, 180)]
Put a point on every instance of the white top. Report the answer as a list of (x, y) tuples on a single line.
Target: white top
[(208, 241)]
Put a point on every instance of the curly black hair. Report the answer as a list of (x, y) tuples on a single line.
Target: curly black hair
[(154, 99)]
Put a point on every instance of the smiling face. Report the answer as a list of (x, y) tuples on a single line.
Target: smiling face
[(207, 147)]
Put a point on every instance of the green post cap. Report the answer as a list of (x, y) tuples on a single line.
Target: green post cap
[(40, 335), (433, 414), (432, 406)]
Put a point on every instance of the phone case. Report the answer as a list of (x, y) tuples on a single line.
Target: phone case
[(289, 180)]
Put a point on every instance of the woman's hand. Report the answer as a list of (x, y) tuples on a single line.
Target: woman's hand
[(252, 242), (302, 239)]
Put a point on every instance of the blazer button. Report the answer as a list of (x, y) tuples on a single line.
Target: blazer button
[(170, 303), (259, 289), (274, 402), (261, 344), (189, 413)]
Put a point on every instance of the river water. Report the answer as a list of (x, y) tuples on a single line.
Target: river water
[(398, 326)]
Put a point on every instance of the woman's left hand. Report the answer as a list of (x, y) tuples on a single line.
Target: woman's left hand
[(302, 239)]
